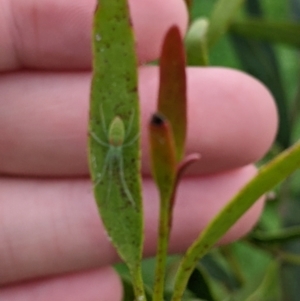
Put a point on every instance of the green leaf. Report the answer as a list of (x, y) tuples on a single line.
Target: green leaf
[(269, 288), (128, 289), (221, 270), (114, 147), (220, 19), (196, 43), (280, 236), (253, 263), (172, 89), (200, 284), (268, 176), (276, 32)]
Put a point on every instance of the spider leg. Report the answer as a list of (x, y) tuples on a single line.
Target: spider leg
[(134, 139), (98, 140), (103, 121), (110, 174), (106, 161), (130, 125), (123, 182)]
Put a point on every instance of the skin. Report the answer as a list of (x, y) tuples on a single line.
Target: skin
[(52, 243)]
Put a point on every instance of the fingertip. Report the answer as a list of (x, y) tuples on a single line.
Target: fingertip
[(237, 118), (98, 284), (151, 20)]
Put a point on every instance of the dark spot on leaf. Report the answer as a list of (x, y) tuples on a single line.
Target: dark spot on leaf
[(134, 89), (158, 119)]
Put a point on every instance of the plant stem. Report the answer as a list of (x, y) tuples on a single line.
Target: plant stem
[(162, 250), (138, 284), (167, 201)]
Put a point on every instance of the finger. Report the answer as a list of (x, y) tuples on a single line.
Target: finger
[(56, 34), (61, 231), (44, 117), (101, 284)]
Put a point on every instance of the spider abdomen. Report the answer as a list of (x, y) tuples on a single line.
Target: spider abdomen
[(116, 134)]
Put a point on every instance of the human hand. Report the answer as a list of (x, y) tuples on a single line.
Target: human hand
[(52, 242)]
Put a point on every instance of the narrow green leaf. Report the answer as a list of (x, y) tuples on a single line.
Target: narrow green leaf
[(172, 90), (222, 272), (269, 289), (276, 32), (196, 43), (114, 148), (200, 284), (268, 176), (164, 167), (220, 19), (280, 236), (289, 258), (228, 254)]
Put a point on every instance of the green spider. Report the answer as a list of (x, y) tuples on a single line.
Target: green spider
[(116, 136)]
